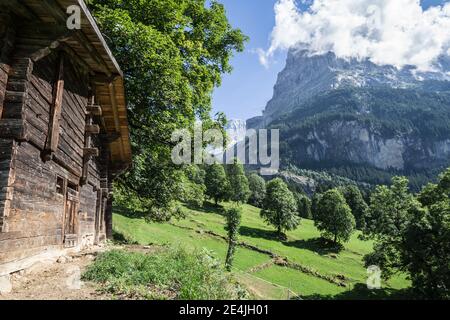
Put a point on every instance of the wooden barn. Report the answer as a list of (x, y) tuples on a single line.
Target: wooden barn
[(63, 131)]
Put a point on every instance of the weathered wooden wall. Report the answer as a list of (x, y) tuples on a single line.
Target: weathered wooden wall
[(7, 37), (31, 210)]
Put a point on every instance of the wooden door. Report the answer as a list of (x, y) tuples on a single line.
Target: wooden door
[(71, 219)]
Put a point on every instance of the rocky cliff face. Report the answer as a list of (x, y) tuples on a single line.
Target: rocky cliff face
[(334, 112), (355, 143), (306, 76)]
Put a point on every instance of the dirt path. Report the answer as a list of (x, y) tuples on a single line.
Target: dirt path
[(61, 280), (55, 281)]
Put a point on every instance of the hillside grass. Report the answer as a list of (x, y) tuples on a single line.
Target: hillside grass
[(320, 269)]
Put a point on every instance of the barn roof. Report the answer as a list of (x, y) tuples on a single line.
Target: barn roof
[(89, 46)]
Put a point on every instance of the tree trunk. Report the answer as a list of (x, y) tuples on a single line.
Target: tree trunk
[(230, 254)]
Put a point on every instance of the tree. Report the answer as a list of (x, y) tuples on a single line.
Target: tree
[(233, 216), (388, 217), (334, 217), (280, 208), (426, 247), (257, 187), (359, 207), (173, 54), (303, 206), (315, 204), (426, 251), (217, 184), (239, 187), (412, 235), (193, 187)]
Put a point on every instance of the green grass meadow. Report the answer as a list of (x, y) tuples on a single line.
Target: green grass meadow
[(265, 280)]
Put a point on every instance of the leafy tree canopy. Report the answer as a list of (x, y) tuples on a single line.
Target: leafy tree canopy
[(217, 184), (172, 53), (239, 188), (355, 200), (280, 207), (426, 245), (304, 206), (257, 187), (388, 217), (334, 217)]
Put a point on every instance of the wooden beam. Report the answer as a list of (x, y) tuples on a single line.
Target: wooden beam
[(86, 44), (55, 10), (97, 31), (88, 152), (22, 10), (91, 152), (61, 17), (113, 97), (94, 110), (42, 30), (13, 129), (92, 129), (42, 53), (110, 137), (103, 79), (51, 145), (76, 59)]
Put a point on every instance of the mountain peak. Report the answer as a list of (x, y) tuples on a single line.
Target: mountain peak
[(307, 74)]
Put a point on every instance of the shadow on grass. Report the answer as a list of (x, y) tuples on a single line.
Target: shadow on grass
[(361, 292), (128, 212), (258, 233), (207, 208), (319, 245), (120, 238)]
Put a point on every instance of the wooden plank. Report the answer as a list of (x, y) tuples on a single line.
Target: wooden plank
[(91, 152), (60, 16), (22, 10), (55, 112), (94, 110), (14, 129), (92, 129), (42, 53)]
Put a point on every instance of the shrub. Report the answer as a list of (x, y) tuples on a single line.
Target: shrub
[(171, 274)]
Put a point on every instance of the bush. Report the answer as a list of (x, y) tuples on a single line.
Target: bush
[(171, 274)]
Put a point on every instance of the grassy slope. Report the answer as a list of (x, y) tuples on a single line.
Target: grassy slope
[(272, 281)]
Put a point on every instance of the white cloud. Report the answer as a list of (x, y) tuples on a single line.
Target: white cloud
[(395, 32), (263, 57)]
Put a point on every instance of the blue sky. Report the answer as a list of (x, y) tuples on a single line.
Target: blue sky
[(245, 92)]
